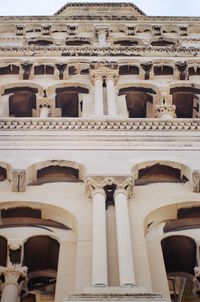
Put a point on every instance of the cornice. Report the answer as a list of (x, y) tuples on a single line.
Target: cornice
[(77, 51), (77, 124)]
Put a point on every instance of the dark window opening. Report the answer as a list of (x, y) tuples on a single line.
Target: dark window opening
[(57, 174), (21, 212), (194, 71), (137, 104), (77, 42), (3, 174), (162, 43), (72, 70), (184, 104), (43, 69), (128, 70), (158, 173), (21, 104), (40, 43), (163, 70), (10, 69), (125, 43)]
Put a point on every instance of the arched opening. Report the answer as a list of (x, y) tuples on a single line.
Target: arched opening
[(40, 42), (43, 69), (3, 174), (9, 69), (42, 270), (163, 70), (126, 42), (186, 101), (159, 173), (139, 101), (57, 174), (194, 71), (179, 253), (68, 99), (3, 251), (128, 70), (162, 43), (21, 103), (77, 42)]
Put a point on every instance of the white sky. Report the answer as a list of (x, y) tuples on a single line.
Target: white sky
[(150, 7)]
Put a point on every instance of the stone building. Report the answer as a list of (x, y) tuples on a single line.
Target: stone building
[(99, 156)]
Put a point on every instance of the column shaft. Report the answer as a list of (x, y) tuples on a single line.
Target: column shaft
[(98, 97), (44, 112), (111, 97), (125, 257), (99, 247), (10, 293)]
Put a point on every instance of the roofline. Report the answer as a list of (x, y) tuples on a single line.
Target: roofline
[(106, 4)]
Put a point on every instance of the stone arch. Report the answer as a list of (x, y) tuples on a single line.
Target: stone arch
[(186, 99), (74, 168), (171, 171), (139, 98), (5, 171), (5, 89)]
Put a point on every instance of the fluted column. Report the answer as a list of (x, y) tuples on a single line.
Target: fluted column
[(99, 246), (125, 255), (111, 94), (15, 279)]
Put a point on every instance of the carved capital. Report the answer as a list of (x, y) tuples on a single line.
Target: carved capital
[(16, 276), (93, 187), (162, 110), (196, 281), (18, 180), (126, 187), (104, 70), (112, 75), (196, 181)]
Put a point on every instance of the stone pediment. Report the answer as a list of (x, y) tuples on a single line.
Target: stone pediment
[(100, 8)]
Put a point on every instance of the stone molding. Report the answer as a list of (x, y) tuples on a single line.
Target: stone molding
[(77, 124), (75, 51)]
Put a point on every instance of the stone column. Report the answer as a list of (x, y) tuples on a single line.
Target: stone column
[(44, 111), (2, 109), (111, 95), (99, 247), (18, 180), (125, 255), (15, 280), (165, 111), (97, 81)]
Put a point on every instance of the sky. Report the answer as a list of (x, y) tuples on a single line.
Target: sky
[(150, 7)]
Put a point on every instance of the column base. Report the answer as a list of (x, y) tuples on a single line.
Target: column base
[(116, 294)]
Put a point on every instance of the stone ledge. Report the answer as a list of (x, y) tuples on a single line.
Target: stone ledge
[(77, 124)]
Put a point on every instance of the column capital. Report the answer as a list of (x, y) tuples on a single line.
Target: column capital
[(94, 187), (126, 188), (12, 275), (162, 110), (112, 75)]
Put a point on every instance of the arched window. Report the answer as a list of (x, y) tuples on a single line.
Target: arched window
[(128, 70)]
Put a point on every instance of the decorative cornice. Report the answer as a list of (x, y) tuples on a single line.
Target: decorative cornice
[(91, 51), (78, 124)]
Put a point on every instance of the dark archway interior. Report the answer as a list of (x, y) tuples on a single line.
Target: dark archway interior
[(57, 174), (162, 43), (40, 43), (158, 173), (179, 254), (3, 251), (28, 298), (125, 43), (77, 42), (21, 103), (10, 69), (194, 71), (67, 100), (128, 70), (182, 98), (43, 69), (3, 174), (163, 70)]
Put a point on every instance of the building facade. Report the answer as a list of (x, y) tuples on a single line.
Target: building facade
[(99, 156)]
